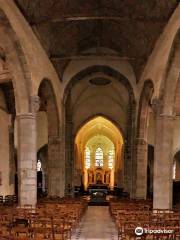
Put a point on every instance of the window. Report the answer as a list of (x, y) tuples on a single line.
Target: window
[(39, 167), (110, 159), (174, 170), (99, 157), (87, 158)]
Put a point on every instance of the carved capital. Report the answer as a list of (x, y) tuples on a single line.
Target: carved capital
[(34, 104), (157, 106)]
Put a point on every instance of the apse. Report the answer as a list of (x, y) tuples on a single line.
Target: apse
[(98, 154)]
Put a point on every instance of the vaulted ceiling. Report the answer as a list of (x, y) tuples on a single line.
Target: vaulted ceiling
[(99, 126), (67, 28)]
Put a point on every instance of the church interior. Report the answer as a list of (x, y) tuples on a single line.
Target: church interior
[(89, 119)]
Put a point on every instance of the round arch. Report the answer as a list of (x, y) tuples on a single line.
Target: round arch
[(53, 169), (169, 65), (48, 103), (16, 69), (144, 104), (109, 71), (128, 136), (141, 139)]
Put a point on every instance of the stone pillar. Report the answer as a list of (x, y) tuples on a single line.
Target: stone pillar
[(69, 161), (112, 179), (129, 146), (163, 162), (12, 164), (85, 179), (141, 180), (27, 172), (55, 173)]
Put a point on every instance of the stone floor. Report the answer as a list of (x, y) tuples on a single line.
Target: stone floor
[(96, 224)]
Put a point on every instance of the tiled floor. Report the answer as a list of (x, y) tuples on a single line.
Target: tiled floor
[(96, 224)]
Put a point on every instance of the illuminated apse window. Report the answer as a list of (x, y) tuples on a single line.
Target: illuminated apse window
[(110, 159), (87, 158), (99, 157)]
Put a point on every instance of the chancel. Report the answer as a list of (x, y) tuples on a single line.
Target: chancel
[(98, 147), (89, 119)]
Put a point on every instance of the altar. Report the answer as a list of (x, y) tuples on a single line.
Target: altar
[(99, 176), (98, 193)]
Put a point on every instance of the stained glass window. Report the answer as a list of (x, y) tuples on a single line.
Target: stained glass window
[(110, 159), (87, 158), (99, 157)]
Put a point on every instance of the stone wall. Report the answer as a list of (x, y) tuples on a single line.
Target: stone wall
[(5, 186)]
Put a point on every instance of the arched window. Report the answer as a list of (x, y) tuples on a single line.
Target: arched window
[(87, 158), (110, 159), (99, 157), (39, 165)]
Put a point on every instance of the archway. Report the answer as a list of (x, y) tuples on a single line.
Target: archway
[(48, 133), (42, 159), (99, 91), (98, 154)]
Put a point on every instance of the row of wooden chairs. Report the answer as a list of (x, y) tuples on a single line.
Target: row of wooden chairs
[(8, 200), (49, 220), (130, 215)]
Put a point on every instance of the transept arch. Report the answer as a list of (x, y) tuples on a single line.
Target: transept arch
[(129, 112), (53, 166)]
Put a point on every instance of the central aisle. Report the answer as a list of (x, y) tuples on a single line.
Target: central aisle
[(96, 224)]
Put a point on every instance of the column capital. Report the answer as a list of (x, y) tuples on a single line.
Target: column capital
[(34, 103), (157, 105)]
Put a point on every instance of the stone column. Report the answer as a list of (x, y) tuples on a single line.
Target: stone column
[(85, 179), (112, 179), (129, 145), (27, 173), (12, 164), (69, 164), (141, 179), (163, 162), (55, 173)]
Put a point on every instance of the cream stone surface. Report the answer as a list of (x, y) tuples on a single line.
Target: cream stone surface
[(27, 173)]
